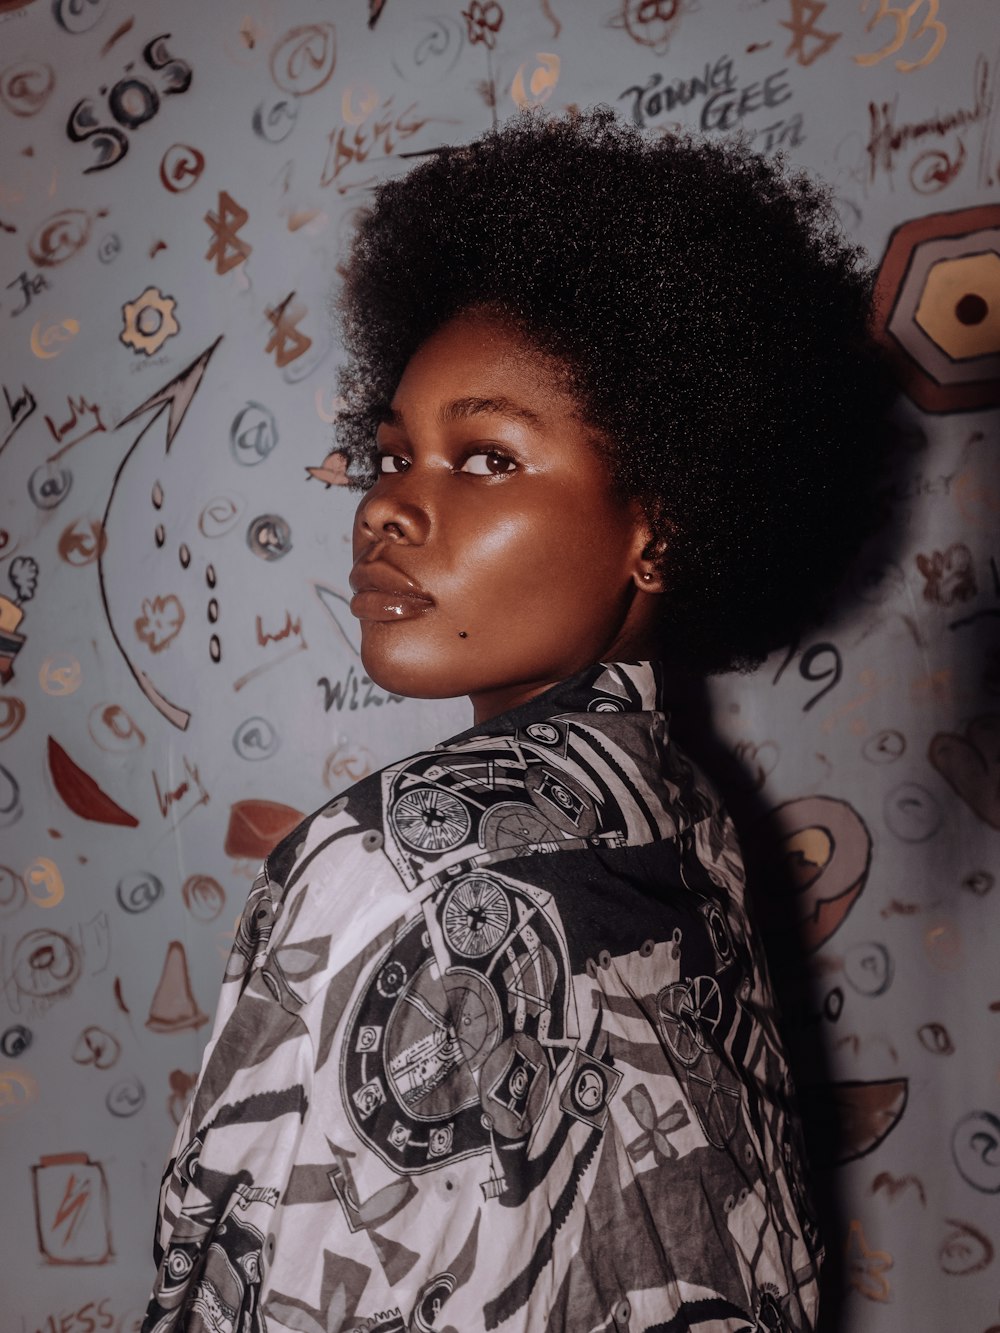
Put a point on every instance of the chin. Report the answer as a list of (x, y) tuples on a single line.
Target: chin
[(399, 670)]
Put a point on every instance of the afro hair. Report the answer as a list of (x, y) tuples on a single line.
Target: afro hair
[(713, 326)]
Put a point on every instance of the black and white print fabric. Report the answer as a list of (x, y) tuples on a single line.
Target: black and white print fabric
[(496, 1050)]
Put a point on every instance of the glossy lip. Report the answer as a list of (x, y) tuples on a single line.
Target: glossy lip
[(384, 593)]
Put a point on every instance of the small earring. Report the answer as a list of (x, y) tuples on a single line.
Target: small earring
[(646, 576)]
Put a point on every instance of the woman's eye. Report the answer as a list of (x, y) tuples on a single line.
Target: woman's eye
[(489, 463), (392, 463)]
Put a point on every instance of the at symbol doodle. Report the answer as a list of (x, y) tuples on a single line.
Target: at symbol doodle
[(476, 916), (430, 820), (59, 237), (304, 58), (181, 167), (25, 88)]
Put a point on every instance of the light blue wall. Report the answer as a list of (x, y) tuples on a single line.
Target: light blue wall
[(178, 183)]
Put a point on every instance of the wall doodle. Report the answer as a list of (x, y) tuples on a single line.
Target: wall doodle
[(180, 680)]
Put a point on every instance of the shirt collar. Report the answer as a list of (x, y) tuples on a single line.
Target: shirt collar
[(605, 687)]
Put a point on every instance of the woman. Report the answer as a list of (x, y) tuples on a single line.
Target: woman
[(496, 1046)]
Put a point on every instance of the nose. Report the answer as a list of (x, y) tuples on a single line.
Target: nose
[(393, 511)]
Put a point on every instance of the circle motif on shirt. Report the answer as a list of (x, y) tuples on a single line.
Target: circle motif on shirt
[(544, 732), (561, 800), (428, 819), (687, 1011), (476, 916), (514, 824), (715, 1094)]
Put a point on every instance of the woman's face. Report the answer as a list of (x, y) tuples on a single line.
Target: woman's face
[(492, 557)]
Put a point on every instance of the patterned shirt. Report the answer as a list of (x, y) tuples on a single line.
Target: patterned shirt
[(496, 1050)]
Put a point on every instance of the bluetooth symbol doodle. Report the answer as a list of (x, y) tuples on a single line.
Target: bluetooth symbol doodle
[(286, 342), (227, 249)]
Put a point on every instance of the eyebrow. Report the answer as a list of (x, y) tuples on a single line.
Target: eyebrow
[(461, 409)]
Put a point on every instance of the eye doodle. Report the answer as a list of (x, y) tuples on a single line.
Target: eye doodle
[(868, 968), (81, 542), (965, 1250), (975, 1150), (935, 1038), (96, 1047), (885, 747), (15, 1041), (912, 813), (541, 83)]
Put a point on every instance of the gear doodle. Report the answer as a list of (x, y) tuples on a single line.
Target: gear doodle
[(149, 321)]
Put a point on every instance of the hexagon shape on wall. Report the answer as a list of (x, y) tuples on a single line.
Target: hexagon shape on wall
[(937, 308)]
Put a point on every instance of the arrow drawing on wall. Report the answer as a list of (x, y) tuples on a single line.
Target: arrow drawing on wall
[(177, 396)]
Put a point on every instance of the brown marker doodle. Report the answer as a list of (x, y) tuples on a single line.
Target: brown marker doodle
[(970, 764), (181, 167), (174, 1008), (853, 1117), (379, 132), (204, 897), (805, 16), (226, 248), (160, 623), (117, 35), (12, 711), (649, 22), (290, 627), (60, 237), (894, 1185), (96, 1047), (899, 26), (181, 1087), (965, 1250), (45, 967), (191, 785), (303, 59), (256, 825), (25, 87), (113, 730), (286, 342), (948, 575), (826, 851), (81, 542), (80, 792), (72, 1211), (73, 427)]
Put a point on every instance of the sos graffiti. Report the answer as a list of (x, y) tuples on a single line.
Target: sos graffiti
[(133, 101)]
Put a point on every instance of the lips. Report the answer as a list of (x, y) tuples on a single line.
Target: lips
[(384, 593)]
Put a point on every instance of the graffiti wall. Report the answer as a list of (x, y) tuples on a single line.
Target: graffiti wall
[(179, 675)]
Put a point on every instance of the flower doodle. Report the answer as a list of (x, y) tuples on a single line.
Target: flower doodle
[(160, 622), (483, 22)]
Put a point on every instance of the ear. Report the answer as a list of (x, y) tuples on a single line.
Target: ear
[(647, 559)]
